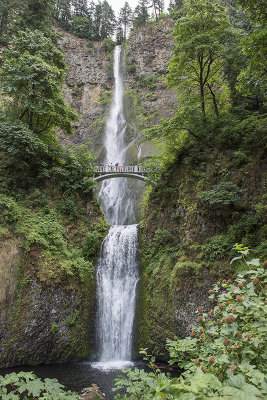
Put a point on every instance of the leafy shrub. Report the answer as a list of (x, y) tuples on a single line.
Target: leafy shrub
[(74, 170), (147, 81), (239, 158), (218, 247), (44, 230), (68, 206), (24, 155), (108, 45), (54, 328), (224, 194), (224, 356), (245, 225), (93, 239), (26, 385), (131, 68), (162, 237)]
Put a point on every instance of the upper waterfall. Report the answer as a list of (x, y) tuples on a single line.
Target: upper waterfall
[(115, 196)]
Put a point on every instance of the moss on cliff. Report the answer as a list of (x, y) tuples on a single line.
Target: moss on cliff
[(200, 207), (48, 313)]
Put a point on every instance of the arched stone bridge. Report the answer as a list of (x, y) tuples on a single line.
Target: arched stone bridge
[(109, 171)]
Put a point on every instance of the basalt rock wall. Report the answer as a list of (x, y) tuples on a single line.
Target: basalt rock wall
[(89, 83)]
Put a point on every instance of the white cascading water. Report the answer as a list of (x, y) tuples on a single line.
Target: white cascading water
[(114, 193), (117, 267)]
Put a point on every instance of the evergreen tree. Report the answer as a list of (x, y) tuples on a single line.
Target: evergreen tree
[(157, 6), (79, 8), (108, 21), (37, 14), (97, 18), (63, 12), (141, 15), (119, 35), (174, 6), (125, 18)]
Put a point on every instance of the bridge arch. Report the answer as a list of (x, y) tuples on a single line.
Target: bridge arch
[(111, 175)]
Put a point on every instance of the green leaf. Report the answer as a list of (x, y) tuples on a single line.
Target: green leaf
[(245, 392)]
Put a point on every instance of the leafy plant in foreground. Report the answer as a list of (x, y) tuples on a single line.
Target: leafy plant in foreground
[(26, 385), (224, 356)]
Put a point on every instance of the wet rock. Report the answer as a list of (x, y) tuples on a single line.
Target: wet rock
[(91, 393)]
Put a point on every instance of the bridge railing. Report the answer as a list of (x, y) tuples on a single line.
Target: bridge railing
[(120, 168)]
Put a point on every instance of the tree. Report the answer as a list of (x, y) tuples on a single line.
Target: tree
[(37, 14), (158, 7), (8, 9), (119, 35), (108, 21), (175, 6), (80, 26), (256, 9), (63, 12), (79, 8), (141, 15), (252, 80), (32, 73), (125, 18), (196, 66), (97, 21)]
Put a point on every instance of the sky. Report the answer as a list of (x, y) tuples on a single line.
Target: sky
[(118, 4)]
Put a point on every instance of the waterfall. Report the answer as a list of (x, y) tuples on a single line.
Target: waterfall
[(117, 267), (114, 193)]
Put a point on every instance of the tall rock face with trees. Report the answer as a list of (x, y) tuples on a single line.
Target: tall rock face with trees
[(209, 194), (194, 99), (88, 87), (50, 223), (89, 81)]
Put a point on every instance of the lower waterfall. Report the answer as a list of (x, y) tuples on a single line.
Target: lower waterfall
[(117, 277)]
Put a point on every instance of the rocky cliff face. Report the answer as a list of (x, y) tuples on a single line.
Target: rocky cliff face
[(187, 244), (147, 98), (47, 296), (87, 88), (89, 85)]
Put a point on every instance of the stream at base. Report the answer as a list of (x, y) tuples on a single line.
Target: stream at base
[(78, 375)]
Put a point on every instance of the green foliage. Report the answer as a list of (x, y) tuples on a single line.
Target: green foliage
[(162, 237), (201, 35), (224, 355), (108, 45), (74, 170), (244, 227), (94, 238), (54, 328), (33, 71), (147, 81), (28, 159), (225, 194), (23, 154), (71, 321), (218, 247), (41, 229), (26, 385), (80, 26)]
